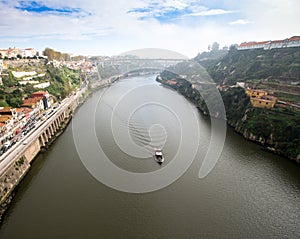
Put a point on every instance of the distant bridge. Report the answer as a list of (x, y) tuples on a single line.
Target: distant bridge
[(128, 66)]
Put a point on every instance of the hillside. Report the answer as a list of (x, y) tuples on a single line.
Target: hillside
[(62, 81), (279, 66), (210, 58), (277, 129)]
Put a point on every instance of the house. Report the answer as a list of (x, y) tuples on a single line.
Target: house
[(7, 121), (45, 97), (34, 103), (29, 52), (255, 93), (261, 99), (171, 82), (14, 52), (3, 53), (8, 111), (263, 102)]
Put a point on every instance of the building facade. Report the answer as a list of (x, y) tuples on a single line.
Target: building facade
[(267, 45)]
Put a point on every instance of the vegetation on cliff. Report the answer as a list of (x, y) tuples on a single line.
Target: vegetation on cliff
[(277, 128), (275, 65), (62, 81)]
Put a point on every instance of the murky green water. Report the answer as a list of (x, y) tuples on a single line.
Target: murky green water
[(249, 194)]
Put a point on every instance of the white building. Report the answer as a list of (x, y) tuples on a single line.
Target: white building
[(29, 52), (266, 45)]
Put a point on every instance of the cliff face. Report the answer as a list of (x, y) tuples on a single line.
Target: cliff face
[(278, 129), (276, 71)]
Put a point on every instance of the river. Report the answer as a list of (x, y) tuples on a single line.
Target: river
[(250, 193)]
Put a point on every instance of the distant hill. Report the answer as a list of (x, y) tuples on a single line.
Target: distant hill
[(280, 65)]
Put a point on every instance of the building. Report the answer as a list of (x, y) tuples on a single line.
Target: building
[(264, 102), (34, 103), (171, 82), (29, 52), (261, 99), (8, 111), (45, 96), (266, 45), (13, 52), (3, 53), (255, 93), (7, 122)]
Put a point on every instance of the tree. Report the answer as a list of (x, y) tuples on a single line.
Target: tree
[(233, 47), (49, 53), (215, 46), (15, 98), (9, 80)]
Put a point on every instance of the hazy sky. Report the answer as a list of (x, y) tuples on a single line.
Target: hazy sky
[(110, 27)]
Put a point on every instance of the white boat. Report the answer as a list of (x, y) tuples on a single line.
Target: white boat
[(159, 158)]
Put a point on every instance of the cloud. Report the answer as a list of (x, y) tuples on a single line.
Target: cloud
[(210, 12), (240, 22), (38, 7), (169, 10), (110, 27)]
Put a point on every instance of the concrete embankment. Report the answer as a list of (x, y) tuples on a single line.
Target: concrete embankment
[(17, 163)]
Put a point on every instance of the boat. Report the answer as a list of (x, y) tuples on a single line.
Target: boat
[(159, 158)]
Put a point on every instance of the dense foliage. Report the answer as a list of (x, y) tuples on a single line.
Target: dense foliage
[(62, 81), (236, 103)]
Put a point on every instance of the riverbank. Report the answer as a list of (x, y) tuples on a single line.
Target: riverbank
[(274, 129), (20, 164), (21, 168)]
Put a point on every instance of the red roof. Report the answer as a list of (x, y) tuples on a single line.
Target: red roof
[(39, 94), (295, 38), (31, 101), (27, 110), (5, 110), (171, 82), (247, 44), (253, 43), (5, 118), (262, 42), (278, 41)]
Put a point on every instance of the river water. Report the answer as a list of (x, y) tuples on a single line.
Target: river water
[(250, 193)]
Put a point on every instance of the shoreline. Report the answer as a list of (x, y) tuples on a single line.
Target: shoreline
[(6, 201), (249, 137)]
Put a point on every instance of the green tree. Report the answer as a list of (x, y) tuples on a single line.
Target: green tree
[(50, 53), (10, 80), (215, 46)]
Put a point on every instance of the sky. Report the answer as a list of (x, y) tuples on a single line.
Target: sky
[(111, 27)]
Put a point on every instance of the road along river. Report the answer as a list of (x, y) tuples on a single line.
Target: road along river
[(79, 188)]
